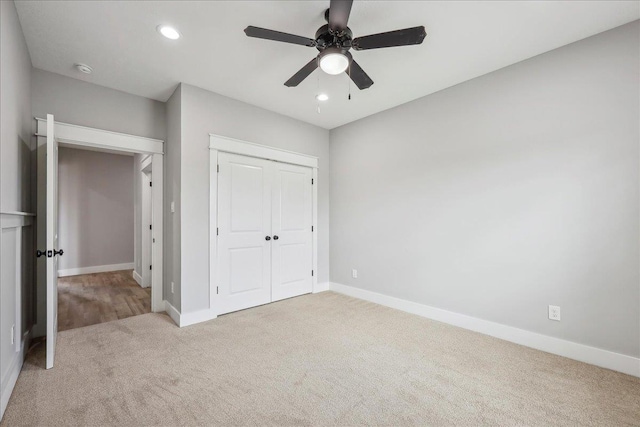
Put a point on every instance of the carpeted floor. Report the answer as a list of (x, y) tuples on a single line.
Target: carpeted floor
[(323, 359)]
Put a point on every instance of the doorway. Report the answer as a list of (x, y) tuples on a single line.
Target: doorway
[(96, 227), (263, 242), (62, 135)]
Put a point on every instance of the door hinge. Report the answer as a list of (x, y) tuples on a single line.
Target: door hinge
[(216, 290), (312, 228), (218, 168), (150, 267), (217, 231), (150, 227), (311, 273), (150, 184), (311, 181)]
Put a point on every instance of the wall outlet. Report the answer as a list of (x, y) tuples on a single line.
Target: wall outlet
[(173, 207), (554, 312), (354, 273), (171, 287), (13, 334)]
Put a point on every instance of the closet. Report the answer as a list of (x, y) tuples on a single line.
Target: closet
[(264, 231)]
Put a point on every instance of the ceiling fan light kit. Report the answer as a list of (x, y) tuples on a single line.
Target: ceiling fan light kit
[(334, 40), (333, 61)]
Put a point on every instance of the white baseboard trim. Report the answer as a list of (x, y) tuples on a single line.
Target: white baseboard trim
[(95, 269), (583, 353), (172, 312), (321, 287), (13, 372), (188, 319), (137, 278)]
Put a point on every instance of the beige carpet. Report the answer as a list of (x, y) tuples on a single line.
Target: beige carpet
[(322, 359)]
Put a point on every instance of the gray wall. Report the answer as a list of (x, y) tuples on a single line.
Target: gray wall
[(172, 182), (15, 150), (504, 194), (81, 103), (95, 208), (205, 112), (16, 189)]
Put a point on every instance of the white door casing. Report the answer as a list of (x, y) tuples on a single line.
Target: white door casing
[(244, 232), (102, 140), (146, 232), (52, 242), (292, 219)]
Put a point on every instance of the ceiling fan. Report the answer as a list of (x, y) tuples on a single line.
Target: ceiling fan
[(334, 40)]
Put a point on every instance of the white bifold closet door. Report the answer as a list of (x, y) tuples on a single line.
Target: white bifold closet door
[(291, 220), (264, 231)]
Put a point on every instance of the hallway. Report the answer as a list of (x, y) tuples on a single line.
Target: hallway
[(89, 299)]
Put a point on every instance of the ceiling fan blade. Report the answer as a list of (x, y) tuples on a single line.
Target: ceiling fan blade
[(339, 11), (357, 74), (263, 33), (304, 72), (405, 37)]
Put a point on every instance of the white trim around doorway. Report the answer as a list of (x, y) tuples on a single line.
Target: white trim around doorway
[(102, 140)]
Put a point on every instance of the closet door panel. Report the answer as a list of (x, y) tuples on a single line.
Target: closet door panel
[(244, 222), (292, 220)]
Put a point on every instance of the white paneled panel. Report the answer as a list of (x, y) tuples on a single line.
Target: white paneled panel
[(246, 192), (293, 200), (292, 251), (8, 293), (244, 223), (15, 275), (244, 279), (294, 265)]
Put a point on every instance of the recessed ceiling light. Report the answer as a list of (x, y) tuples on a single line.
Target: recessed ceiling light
[(84, 68), (168, 32), (322, 97)]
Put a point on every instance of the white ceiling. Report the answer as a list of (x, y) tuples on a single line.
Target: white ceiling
[(464, 40)]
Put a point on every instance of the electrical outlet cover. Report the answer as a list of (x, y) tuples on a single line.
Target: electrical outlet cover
[(554, 312)]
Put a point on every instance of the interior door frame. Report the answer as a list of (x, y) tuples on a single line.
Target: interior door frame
[(217, 144), (145, 170), (76, 136)]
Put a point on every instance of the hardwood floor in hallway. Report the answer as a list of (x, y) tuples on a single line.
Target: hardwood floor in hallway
[(89, 299)]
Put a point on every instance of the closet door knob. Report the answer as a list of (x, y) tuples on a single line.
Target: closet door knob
[(267, 238), (275, 237)]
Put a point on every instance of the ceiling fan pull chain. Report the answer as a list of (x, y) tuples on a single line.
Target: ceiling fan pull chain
[(318, 93), (349, 97)]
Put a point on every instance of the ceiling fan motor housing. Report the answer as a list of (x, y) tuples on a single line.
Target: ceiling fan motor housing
[(326, 38)]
